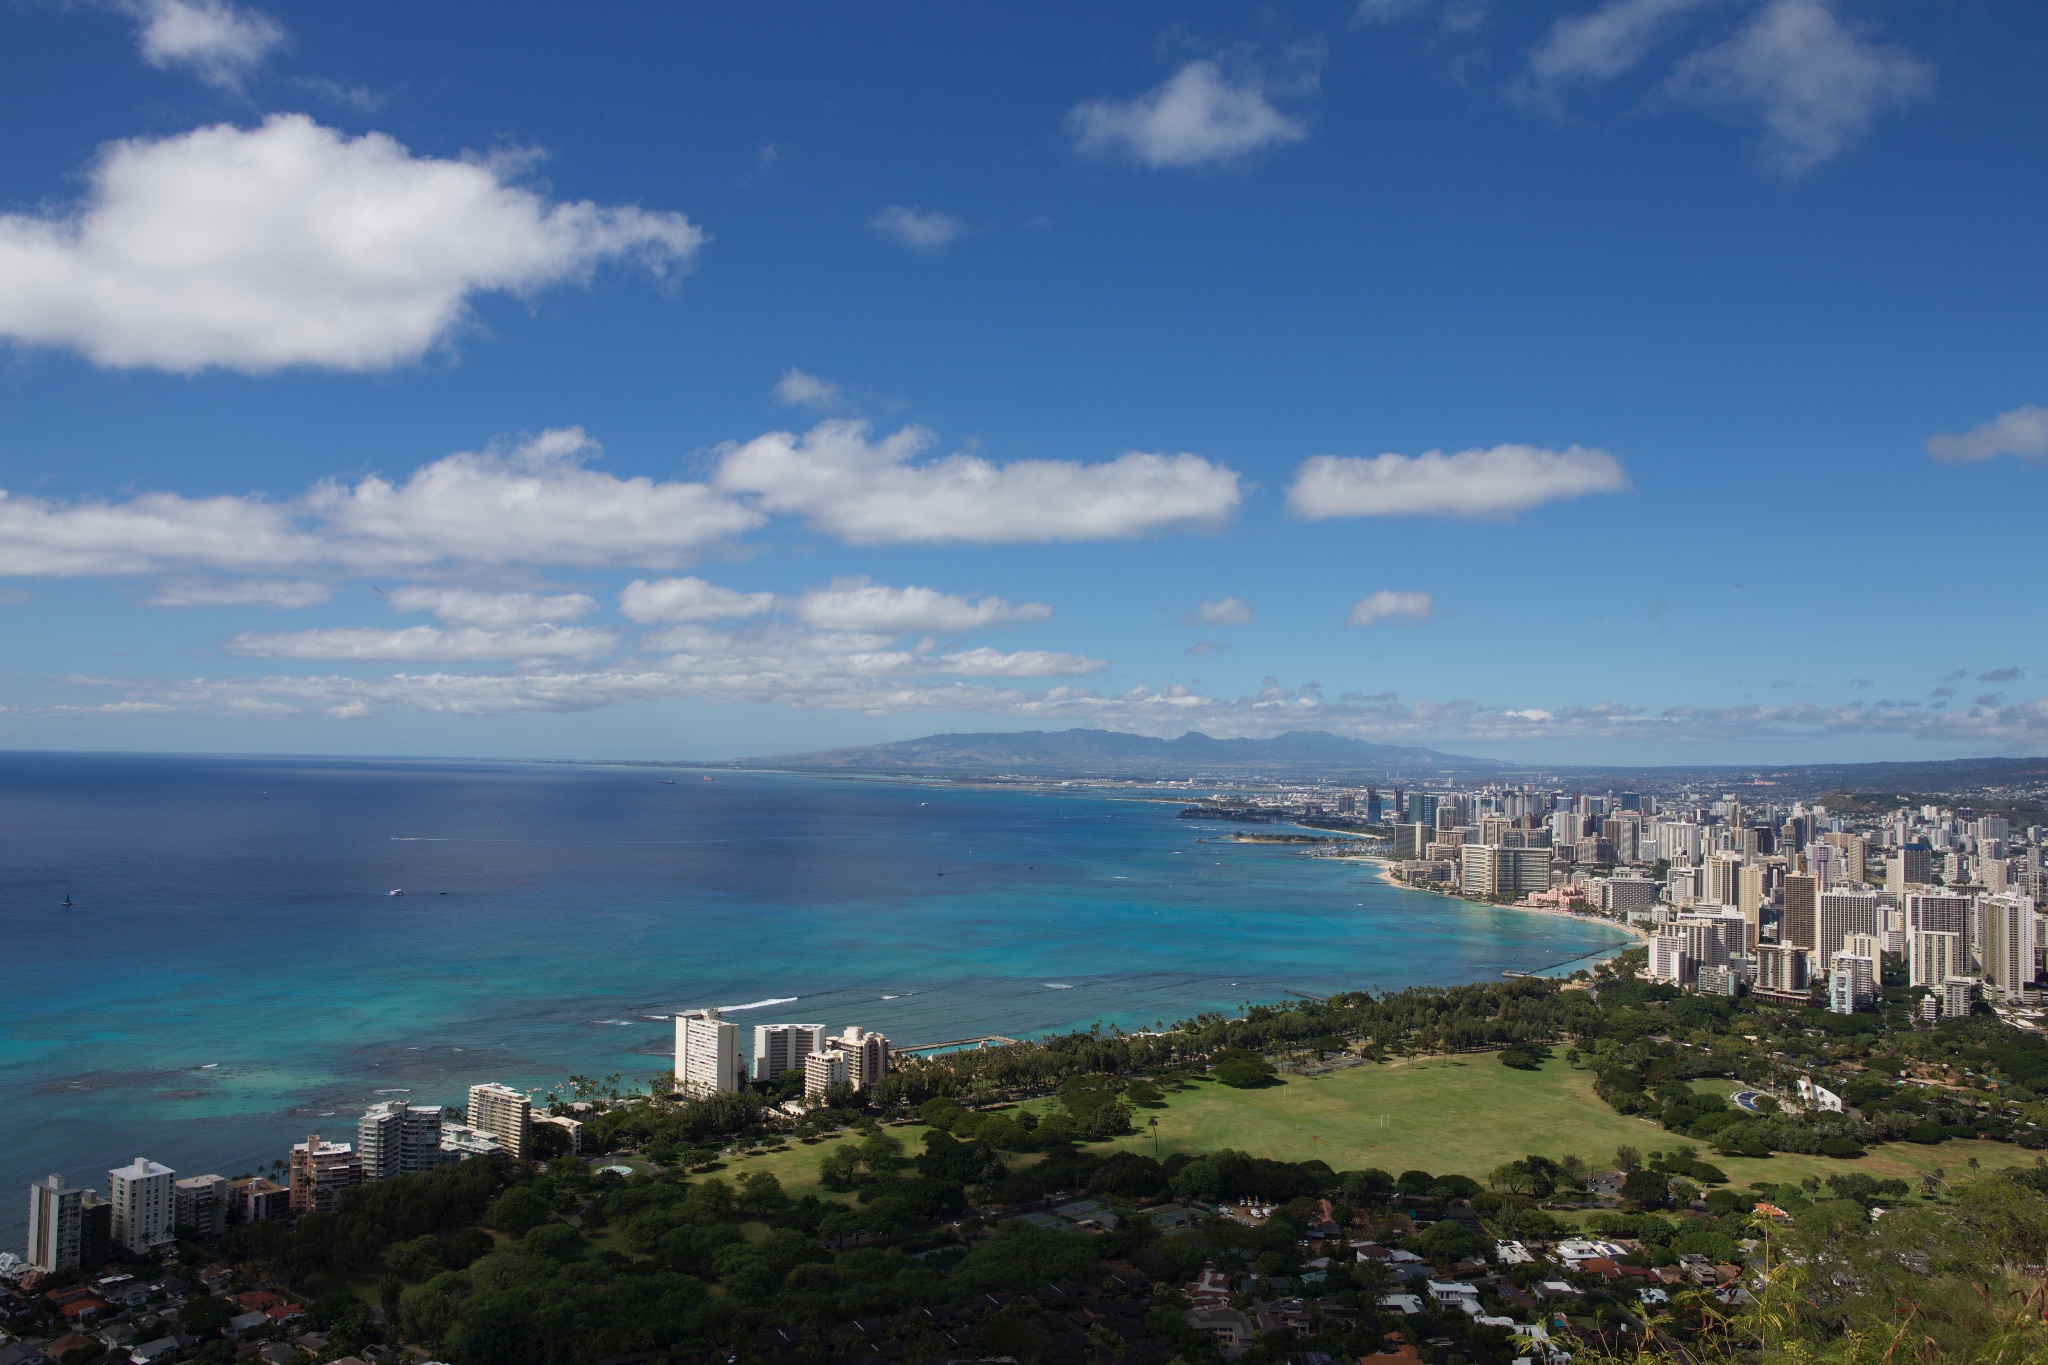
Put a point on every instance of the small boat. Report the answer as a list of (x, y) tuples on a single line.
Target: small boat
[(395, 892), (668, 781), (710, 779)]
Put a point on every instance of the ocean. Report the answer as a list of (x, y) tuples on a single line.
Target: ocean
[(233, 972)]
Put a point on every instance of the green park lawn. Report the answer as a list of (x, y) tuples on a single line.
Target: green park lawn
[(1466, 1115), (1460, 1115)]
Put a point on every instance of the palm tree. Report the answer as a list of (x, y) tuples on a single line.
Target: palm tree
[(1153, 1123)]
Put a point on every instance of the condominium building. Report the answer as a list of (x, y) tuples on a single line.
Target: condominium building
[(321, 1172), (395, 1138), (55, 1224), (1410, 840), (1912, 865), (504, 1113), (825, 1070), (2009, 938), (1842, 913), (1934, 957), (1958, 996), (1722, 884), (1941, 912), (1667, 959), (200, 1205), (144, 1205), (1852, 983), (1781, 970), (259, 1199), (867, 1056), (1799, 916), (783, 1047), (1628, 895), (708, 1060)]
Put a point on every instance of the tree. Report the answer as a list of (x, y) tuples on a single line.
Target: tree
[(1628, 1160), (204, 1315)]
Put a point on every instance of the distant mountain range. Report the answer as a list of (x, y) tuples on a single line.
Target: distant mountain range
[(1106, 753)]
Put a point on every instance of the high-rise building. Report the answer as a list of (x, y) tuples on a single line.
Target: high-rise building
[(54, 1224), (1958, 996), (1941, 912), (1799, 919), (1933, 957), (505, 1114), (1479, 870), (321, 1173), (144, 1205), (867, 1056), (200, 1205), (1752, 889), (2010, 940), (783, 1047), (1852, 983), (1628, 895), (395, 1138), (1911, 866), (824, 1070), (1722, 884), (1667, 958), (1842, 913), (1409, 841), (1373, 811), (1422, 808), (260, 1199), (1711, 939), (1781, 970), (708, 1060)]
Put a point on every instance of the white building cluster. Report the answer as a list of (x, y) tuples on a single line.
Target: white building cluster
[(1786, 900), (709, 1061)]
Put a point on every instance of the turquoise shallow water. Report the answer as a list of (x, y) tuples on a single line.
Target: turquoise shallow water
[(233, 972)]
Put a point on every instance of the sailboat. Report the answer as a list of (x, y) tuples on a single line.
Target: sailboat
[(67, 900)]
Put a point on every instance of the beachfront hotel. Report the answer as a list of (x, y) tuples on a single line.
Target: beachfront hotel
[(505, 1114)]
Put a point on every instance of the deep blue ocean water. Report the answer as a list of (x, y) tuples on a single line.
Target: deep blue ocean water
[(233, 972)]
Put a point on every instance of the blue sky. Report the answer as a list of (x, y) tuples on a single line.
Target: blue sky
[(1655, 380)]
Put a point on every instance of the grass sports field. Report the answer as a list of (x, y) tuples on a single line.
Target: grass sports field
[(1463, 1115)]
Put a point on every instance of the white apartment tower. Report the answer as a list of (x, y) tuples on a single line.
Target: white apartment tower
[(395, 1138), (1934, 957), (506, 1114), (1842, 913), (199, 1205), (2008, 944), (783, 1047), (823, 1070), (708, 1060), (144, 1205), (56, 1224)]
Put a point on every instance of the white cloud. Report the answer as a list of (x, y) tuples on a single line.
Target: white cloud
[(1025, 663), (291, 244), (535, 503), (1815, 85), (426, 643), (469, 607), (1496, 482), (806, 390), (2022, 432), (855, 604), (916, 229), (217, 42), (1226, 612), (1408, 607), (1601, 44), (252, 592), (868, 493), (1198, 117), (689, 599)]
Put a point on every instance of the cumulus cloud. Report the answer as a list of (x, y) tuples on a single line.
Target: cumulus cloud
[(470, 607), (1200, 116), (215, 41), (1024, 663), (916, 229), (1405, 607), (2022, 432), (1600, 44), (426, 643), (292, 244), (1496, 482), (671, 600), (1815, 84), (856, 604), (806, 390), (868, 493), (247, 592), (1226, 612), (536, 502)]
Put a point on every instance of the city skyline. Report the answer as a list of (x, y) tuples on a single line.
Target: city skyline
[(1577, 384)]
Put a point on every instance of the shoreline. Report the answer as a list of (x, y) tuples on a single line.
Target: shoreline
[(1386, 873)]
